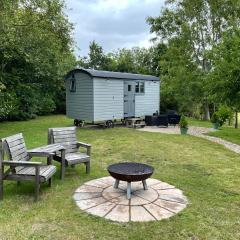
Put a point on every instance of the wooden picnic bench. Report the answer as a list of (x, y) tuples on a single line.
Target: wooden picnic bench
[(20, 168)]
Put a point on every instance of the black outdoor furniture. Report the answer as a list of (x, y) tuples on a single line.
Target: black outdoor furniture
[(162, 120), (130, 172), (173, 119)]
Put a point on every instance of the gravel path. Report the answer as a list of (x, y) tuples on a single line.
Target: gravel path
[(195, 131)]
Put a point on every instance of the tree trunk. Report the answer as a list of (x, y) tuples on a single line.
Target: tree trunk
[(236, 120), (206, 115)]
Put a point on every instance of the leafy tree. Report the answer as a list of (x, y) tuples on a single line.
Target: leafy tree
[(35, 53), (225, 84), (96, 58), (192, 28)]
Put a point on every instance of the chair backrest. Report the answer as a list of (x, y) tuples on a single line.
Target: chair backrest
[(15, 148), (65, 136)]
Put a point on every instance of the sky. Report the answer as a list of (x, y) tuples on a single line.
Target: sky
[(111, 23)]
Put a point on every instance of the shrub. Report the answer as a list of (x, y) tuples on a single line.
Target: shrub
[(7, 104), (46, 105), (215, 118), (183, 122), (224, 113)]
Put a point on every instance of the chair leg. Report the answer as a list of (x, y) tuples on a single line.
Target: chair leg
[(50, 182), (1, 189), (88, 167), (37, 184), (62, 165), (62, 173)]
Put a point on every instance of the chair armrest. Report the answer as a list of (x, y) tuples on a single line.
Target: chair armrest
[(85, 145), (21, 163), (82, 144)]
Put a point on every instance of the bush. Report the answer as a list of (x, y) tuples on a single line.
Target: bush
[(183, 122), (46, 105), (224, 113), (214, 118), (7, 104)]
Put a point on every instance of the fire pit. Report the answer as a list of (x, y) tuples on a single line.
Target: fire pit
[(130, 172)]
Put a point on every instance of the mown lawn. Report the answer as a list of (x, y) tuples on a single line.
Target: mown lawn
[(226, 132), (208, 174)]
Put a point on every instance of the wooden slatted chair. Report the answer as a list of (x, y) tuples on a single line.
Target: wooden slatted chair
[(20, 168), (68, 139)]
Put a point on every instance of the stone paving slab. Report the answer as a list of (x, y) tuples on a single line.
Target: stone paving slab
[(160, 201)]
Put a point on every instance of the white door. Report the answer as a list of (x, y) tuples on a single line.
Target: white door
[(129, 98)]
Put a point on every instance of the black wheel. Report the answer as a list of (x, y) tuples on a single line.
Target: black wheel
[(109, 124), (76, 122)]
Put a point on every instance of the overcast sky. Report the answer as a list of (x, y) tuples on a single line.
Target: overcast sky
[(111, 23)]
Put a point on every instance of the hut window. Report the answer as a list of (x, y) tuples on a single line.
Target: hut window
[(73, 85), (140, 87), (129, 88)]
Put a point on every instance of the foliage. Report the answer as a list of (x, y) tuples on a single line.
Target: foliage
[(191, 29), (224, 113), (134, 60), (225, 84), (35, 53), (215, 118), (183, 123)]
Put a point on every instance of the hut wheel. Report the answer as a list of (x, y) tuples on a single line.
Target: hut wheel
[(109, 124)]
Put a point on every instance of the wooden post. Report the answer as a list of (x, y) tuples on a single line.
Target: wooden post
[(62, 164), (37, 183)]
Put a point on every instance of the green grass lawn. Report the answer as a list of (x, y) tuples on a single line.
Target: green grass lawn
[(226, 132), (206, 172)]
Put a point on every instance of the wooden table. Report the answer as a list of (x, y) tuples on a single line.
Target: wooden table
[(49, 151)]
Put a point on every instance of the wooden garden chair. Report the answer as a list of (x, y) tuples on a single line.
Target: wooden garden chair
[(19, 166), (67, 138)]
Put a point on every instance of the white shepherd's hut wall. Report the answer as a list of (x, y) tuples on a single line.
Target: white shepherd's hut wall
[(93, 95), (108, 99), (148, 102), (80, 101)]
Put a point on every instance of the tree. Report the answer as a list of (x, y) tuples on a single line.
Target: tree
[(225, 84), (195, 26), (96, 58), (35, 53)]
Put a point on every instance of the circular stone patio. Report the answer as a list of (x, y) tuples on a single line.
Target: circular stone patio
[(160, 201)]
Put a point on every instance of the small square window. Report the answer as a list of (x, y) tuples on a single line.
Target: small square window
[(129, 88), (139, 87), (73, 85)]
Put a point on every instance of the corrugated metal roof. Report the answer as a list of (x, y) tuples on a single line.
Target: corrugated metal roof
[(116, 75)]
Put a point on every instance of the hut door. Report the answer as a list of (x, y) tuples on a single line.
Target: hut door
[(129, 99)]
